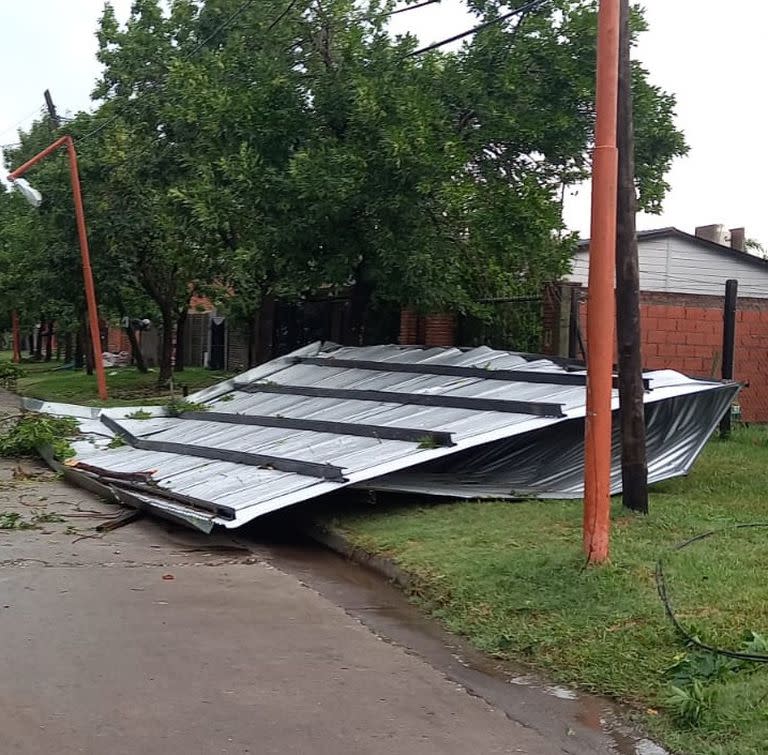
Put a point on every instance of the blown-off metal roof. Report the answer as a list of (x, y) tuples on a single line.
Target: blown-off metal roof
[(322, 418)]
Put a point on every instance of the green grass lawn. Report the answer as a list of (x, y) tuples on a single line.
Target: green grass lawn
[(126, 385), (512, 579)]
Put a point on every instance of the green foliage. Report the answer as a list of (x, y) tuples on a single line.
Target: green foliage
[(696, 676), (428, 442), (276, 160), (690, 705), (9, 375), (34, 431), (700, 666), (178, 406), (12, 520), (47, 518), (118, 441), (139, 414)]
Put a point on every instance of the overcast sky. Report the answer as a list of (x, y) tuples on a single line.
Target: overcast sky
[(711, 55)]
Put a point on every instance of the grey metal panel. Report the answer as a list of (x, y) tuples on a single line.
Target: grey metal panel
[(249, 491), (550, 463)]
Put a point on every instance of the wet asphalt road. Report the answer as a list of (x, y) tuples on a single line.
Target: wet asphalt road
[(155, 640)]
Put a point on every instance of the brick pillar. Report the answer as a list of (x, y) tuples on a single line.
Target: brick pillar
[(440, 330), (409, 327), (556, 318)]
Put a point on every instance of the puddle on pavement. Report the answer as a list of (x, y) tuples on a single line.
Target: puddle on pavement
[(579, 724)]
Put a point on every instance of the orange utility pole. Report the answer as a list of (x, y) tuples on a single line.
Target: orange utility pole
[(90, 291), (601, 303)]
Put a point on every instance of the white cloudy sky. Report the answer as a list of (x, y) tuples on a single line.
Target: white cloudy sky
[(711, 54)]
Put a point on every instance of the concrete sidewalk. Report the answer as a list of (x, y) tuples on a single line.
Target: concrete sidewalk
[(151, 639)]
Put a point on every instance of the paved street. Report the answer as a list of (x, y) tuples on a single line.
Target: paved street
[(150, 639)]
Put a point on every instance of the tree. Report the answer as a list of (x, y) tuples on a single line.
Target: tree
[(265, 151)]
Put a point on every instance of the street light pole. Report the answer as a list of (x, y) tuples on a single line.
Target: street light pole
[(601, 303), (90, 291)]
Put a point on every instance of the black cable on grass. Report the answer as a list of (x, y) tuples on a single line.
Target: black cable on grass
[(661, 584)]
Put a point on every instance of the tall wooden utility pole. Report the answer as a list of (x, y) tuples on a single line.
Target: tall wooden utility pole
[(601, 302), (54, 116), (634, 467)]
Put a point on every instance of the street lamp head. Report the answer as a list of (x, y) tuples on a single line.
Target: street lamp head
[(32, 195)]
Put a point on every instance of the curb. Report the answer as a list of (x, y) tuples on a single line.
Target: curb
[(335, 541)]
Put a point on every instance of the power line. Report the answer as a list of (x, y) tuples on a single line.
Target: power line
[(36, 111), (288, 9), (412, 7), (533, 5)]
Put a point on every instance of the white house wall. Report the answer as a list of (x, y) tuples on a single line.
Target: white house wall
[(678, 265)]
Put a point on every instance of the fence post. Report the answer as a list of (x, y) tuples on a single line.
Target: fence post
[(575, 341), (729, 345)]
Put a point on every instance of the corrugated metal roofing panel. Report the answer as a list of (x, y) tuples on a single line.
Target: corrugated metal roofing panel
[(250, 491)]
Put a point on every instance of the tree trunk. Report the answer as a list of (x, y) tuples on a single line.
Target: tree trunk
[(39, 345), (79, 354), (68, 347), (49, 342), (31, 343), (136, 354), (87, 348), (16, 337), (253, 338), (266, 329), (166, 347), (181, 332), (362, 291)]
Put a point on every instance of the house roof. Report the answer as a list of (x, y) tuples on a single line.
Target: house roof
[(672, 232)]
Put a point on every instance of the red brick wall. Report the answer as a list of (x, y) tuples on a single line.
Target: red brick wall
[(685, 332), (117, 340), (428, 330)]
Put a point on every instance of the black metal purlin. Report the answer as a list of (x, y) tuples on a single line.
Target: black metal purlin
[(535, 408), (265, 461), (429, 368), (383, 432)]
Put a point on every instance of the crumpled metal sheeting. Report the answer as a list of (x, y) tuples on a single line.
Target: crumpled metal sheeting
[(220, 482), (246, 492), (549, 463)]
